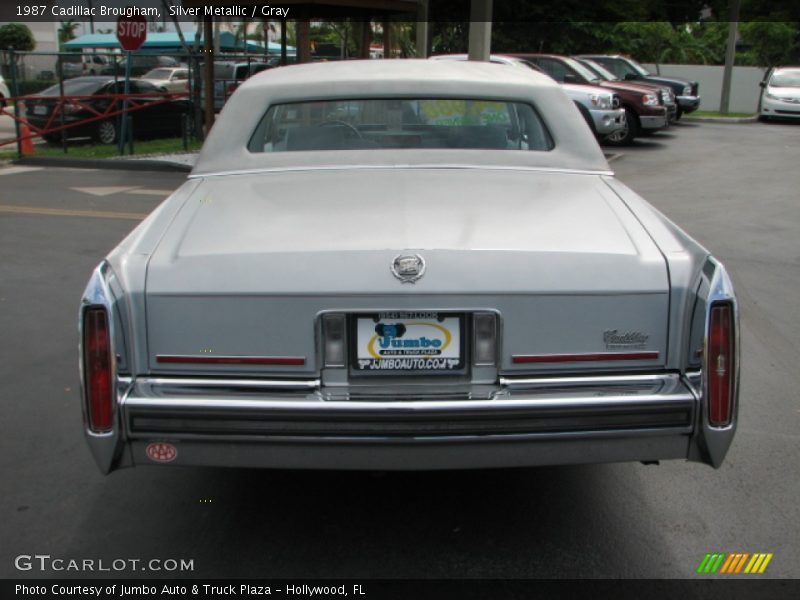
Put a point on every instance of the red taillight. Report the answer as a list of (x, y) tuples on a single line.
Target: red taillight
[(720, 365), (97, 369)]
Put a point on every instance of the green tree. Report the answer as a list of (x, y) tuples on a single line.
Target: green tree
[(771, 43), (17, 37), (66, 32)]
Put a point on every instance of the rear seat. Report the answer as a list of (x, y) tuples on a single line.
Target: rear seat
[(479, 136)]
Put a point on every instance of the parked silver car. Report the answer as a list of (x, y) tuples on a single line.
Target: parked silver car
[(780, 98), (169, 79), (406, 265)]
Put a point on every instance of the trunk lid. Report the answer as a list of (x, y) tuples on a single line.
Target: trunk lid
[(252, 260)]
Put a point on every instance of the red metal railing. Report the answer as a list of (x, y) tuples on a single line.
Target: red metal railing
[(94, 104)]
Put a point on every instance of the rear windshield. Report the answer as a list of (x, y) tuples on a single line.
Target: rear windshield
[(400, 123)]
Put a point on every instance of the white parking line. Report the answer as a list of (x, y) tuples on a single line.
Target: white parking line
[(16, 170), (62, 212), (109, 190), (148, 192), (104, 191)]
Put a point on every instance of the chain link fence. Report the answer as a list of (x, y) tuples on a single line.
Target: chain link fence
[(71, 98)]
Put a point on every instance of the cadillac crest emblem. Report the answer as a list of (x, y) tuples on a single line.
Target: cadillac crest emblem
[(408, 268)]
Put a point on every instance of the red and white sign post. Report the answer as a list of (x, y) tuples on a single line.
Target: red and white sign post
[(131, 33)]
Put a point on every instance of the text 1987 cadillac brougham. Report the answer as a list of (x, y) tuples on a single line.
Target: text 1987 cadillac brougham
[(406, 265)]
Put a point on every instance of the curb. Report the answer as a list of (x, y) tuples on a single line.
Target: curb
[(105, 163), (689, 118)]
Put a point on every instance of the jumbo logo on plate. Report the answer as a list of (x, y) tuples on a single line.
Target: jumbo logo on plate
[(409, 343), (161, 452)]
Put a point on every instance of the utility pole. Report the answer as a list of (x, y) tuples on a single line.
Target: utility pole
[(480, 30), (208, 71), (422, 29), (730, 56)]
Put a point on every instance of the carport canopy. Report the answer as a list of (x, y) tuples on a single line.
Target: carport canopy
[(170, 42)]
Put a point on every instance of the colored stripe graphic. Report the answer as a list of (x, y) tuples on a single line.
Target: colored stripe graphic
[(703, 564), (718, 563), (728, 566), (734, 563), (740, 564), (754, 563), (765, 563)]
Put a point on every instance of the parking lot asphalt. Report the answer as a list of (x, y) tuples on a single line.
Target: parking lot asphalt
[(733, 187)]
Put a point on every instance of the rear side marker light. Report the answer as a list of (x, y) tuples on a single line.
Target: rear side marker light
[(720, 365), (333, 333), (98, 369), (485, 347)]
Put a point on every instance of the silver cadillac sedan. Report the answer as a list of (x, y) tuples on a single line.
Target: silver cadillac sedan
[(406, 265)]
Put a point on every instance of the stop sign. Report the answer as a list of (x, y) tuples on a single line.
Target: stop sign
[(131, 32)]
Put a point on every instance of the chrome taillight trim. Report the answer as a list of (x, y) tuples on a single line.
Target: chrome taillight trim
[(715, 441), (105, 445), (97, 294), (721, 292)]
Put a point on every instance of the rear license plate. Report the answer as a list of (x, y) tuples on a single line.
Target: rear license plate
[(40, 110), (421, 342)]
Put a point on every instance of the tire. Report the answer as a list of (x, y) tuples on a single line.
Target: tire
[(625, 136), (679, 113), (106, 132), (763, 118)]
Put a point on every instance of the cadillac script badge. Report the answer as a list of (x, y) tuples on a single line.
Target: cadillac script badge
[(408, 267)]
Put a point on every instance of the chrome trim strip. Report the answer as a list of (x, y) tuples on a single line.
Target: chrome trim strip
[(471, 438), (596, 380), (315, 384), (395, 167), (718, 439), (318, 405), (105, 446)]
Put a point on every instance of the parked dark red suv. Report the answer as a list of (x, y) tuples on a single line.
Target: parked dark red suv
[(644, 106)]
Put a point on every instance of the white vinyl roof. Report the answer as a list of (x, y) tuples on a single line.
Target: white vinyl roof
[(226, 150)]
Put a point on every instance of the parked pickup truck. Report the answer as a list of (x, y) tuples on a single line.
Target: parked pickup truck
[(644, 107), (687, 92)]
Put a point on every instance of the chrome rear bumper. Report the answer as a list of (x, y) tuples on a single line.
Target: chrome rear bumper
[(300, 424)]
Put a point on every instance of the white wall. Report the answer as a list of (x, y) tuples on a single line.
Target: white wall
[(46, 35), (744, 84)]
